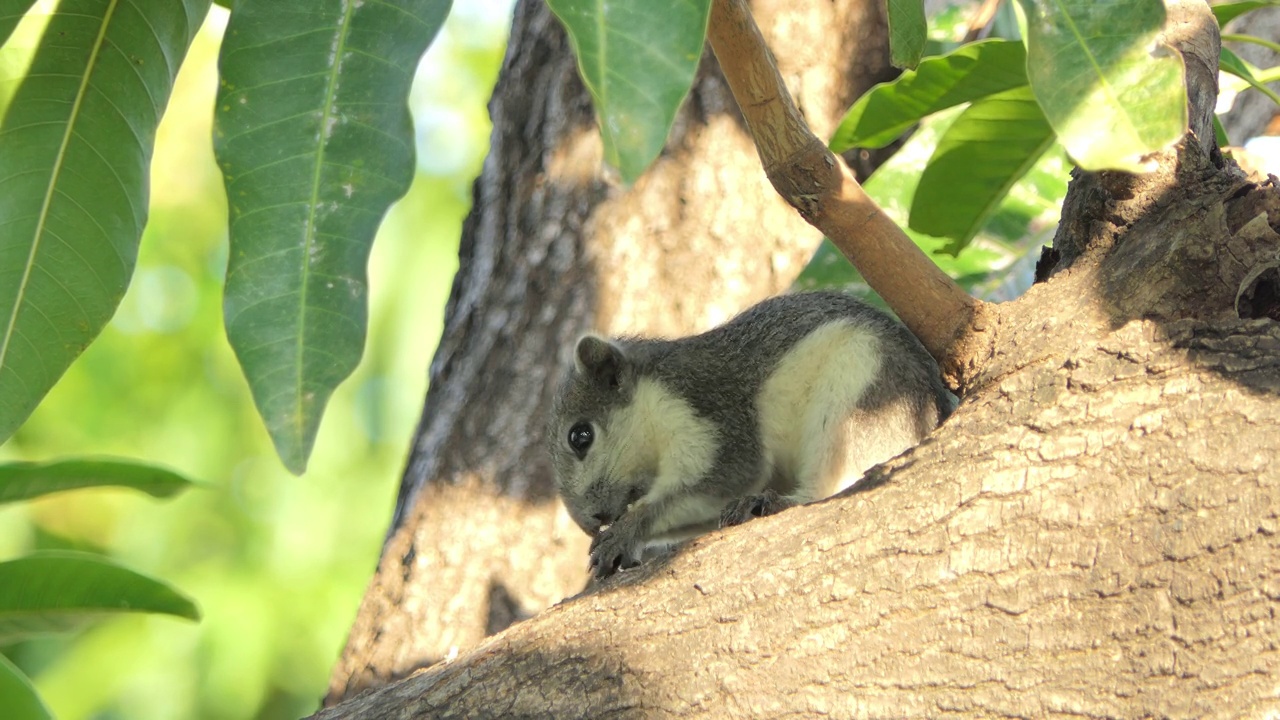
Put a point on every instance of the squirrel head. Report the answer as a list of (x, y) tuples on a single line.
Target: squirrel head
[(596, 465)]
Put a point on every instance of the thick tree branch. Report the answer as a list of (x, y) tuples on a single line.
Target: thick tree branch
[(1076, 564), (953, 326)]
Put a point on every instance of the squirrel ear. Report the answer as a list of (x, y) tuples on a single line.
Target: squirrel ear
[(600, 360)]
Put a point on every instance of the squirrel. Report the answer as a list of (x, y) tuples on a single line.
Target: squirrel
[(655, 441)]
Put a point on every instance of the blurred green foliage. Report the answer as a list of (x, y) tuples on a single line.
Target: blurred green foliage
[(277, 563)]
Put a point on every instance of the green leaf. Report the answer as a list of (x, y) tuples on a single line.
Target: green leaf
[(11, 12), (637, 60), (1226, 12), (993, 143), (1028, 212), (966, 74), (1220, 133), (18, 696), (56, 591), (315, 142), (1231, 63), (23, 481), (74, 153), (1109, 92), (907, 32)]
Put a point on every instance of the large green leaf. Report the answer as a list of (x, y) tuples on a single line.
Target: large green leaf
[(23, 480), (968, 73), (1110, 94), (315, 142), (55, 591), (11, 12), (637, 60), (993, 143), (18, 696), (75, 147), (907, 32)]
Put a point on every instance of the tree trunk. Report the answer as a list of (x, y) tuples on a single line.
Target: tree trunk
[(1094, 531), (551, 249)]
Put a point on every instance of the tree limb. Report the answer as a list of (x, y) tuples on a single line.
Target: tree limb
[(954, 327)]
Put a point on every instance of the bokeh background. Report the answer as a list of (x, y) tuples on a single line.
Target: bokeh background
[(277, 563)]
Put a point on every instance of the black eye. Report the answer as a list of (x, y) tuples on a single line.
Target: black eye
[(580, 437)]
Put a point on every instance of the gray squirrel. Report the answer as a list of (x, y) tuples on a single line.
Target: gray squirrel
[(654, 441)]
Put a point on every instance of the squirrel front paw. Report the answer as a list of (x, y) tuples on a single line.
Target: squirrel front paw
[(743, 509), (615, 548)]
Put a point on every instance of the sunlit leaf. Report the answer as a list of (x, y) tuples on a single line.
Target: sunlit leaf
[(56, 591), (993, 143), (907, 32), (315, 142), (18, 696), (1109, 92), (970, 72), (1023, 220), (637, 60), (75, 147), (23, 480), (11, 12), (1231, 63), (1226, 12)]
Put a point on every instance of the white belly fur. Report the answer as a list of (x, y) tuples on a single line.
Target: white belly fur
[(815, 439)]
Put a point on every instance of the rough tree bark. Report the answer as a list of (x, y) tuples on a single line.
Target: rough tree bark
[(552, 249), (1092, 533)]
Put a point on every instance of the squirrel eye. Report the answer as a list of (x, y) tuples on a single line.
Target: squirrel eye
[(580, 438)]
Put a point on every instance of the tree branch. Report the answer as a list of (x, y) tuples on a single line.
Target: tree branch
[(952, 325)]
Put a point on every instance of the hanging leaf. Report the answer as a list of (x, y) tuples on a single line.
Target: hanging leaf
[(315, 142), (637, 60), (907, 32), (57, 591), (993, 143), (75, 149), (23, 480)]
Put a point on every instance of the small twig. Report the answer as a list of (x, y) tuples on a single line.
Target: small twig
[(952, 325)]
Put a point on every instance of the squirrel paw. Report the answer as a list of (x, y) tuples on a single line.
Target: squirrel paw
[(743, 509), (614, 549)]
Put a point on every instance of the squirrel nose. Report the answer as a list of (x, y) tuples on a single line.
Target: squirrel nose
[(602, 519)]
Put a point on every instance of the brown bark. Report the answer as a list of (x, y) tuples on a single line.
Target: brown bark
[(550, 250)]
